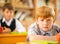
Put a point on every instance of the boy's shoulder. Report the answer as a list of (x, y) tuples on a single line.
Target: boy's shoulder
[(33, 25), (32, 29), (56, 27)]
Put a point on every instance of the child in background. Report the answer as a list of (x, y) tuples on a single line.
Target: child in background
[(8, 22), (44, 24)]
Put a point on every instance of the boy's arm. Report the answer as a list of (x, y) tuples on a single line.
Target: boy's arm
[(31, 31), (40, 37), (19, 27), (57, 27)]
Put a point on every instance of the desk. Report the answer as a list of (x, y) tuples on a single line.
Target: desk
[(30, 43), (27, 43), (37, 42), (22, 43), (12, 38)]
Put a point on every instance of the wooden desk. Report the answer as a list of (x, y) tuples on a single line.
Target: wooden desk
[(38, 42), (30, 43), (22, 43), (12, 38), (27, 43), (35, 43)]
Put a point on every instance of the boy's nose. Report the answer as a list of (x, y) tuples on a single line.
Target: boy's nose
[(9, 14), (45, 22)]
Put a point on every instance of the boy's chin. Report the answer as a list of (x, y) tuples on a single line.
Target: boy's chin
[(45, 29), (8, 19)]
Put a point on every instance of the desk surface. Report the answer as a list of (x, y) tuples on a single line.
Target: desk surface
[(13, 34), (22, 43), (12, 38), (37, 42), (28, 43), (5, 35)]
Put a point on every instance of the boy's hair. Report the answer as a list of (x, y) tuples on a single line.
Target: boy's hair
[(45, 12), (7, 6)]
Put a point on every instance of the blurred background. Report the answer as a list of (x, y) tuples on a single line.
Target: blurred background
[(25, 9)]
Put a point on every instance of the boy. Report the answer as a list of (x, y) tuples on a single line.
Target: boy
[(8, 22), (44, 24)]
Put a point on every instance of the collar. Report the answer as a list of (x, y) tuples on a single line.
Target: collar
[(43, 32), (8, 23), (4, 20)]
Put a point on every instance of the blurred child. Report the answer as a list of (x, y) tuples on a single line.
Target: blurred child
[(44, 25), (8, 22)]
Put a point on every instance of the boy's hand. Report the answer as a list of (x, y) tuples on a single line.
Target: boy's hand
[(6, 30)]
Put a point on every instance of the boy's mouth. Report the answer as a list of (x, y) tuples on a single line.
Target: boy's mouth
[(45, 27)]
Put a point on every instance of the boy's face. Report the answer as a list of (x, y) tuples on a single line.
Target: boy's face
[(8, 14), (45, 24)]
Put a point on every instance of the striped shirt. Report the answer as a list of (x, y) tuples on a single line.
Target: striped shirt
[(33, 29)]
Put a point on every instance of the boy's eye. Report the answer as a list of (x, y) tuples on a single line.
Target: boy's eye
[(49, 20)]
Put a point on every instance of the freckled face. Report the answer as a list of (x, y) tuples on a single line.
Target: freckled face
[(45, 24)]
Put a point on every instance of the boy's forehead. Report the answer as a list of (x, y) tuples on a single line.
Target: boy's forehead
[(8, 10), (45, 18)]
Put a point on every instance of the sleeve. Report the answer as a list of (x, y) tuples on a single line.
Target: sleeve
[(58, 28), (20, 27), (31, 30)]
